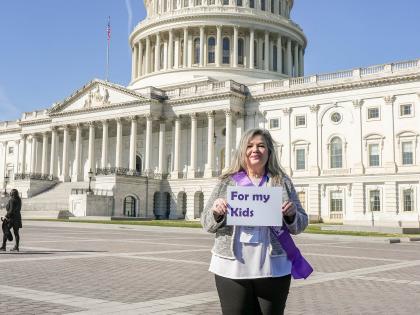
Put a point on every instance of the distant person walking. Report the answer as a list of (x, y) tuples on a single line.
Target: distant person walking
[(13, 219), (253, 265)]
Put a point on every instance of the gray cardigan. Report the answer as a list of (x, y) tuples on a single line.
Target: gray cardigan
[(225, 234)]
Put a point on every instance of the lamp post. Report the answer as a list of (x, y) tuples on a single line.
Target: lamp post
[(90, 175)]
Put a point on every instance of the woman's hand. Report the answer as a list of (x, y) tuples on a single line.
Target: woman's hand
[(219, 206), (289, 210)]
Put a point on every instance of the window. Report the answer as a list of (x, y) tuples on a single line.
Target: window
[(373, 113), (272, 6), (263, 51), (335, 117), (226, 50), (211, 2), (211, 43), (407, 153), (300, 159), (255, 53), (263, 5), (300, 121), (11, 150), (374, 154), (274, 123), (408, 202), (336, 201), (336, 153), (186, 3), (375, 200), (405, 110), (274, 58), (239, 3), (197, 2), (181, 59), (240, 51), (302, 198), (225, 2), (129, 206), (196, 51), (252, 4), (174, 4)]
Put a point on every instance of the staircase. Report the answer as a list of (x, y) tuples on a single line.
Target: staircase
[(53, 203)]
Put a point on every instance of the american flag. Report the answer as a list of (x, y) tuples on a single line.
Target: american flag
[(108, 28)]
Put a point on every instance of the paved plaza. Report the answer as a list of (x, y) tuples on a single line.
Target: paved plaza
[(75, 268)]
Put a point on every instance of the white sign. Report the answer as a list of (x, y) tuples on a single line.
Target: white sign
[(254, 206)]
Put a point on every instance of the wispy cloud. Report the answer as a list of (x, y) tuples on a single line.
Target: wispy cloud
[(9, 111)]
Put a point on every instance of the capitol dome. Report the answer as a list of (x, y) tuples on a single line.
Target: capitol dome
[(182, 41)]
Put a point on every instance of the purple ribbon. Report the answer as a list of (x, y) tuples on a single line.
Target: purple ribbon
[(301, 269)]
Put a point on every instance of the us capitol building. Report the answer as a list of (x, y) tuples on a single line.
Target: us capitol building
[(203, 72)]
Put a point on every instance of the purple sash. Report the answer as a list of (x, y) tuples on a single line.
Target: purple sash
[(300, 267)]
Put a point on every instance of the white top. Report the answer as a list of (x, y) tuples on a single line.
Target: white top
[(252, 251)]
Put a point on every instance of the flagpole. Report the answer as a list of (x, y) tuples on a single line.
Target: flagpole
[(107, 50)]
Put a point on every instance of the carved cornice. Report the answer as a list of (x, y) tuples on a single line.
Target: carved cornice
[(314, 108), (335, 87), (287, 111), (389, 99), (358, 103)]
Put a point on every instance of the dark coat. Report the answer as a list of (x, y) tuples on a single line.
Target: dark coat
[(6, 230), (13, 212)]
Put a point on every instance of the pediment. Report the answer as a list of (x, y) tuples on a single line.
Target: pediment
[(96, 94)]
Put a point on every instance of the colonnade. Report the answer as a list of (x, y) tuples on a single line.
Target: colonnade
[(217, 46), (49, 141)]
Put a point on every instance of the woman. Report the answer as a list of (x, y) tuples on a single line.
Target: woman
[(14, 219), (253, 265)]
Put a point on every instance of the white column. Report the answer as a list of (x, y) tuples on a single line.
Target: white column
[(147, 62), (23, 155), (133, 62), (157, 53), (140, 59), (149, 125), (235, 46), (177, 143), (44, 153), (162, 153), (251, 49), (77, 154), (289, 57), (3, 160), (185, 52), (228, 145), (218, 45), (193, 154), (279, 55), (296, 61), (104, 157), (53, 159), (91, 149), (133, 144), (118, 153), (210, 145), (267, 51), (301, 68), (240, 122), (65, 172), (33, 154), (170, 49), (201, 46)]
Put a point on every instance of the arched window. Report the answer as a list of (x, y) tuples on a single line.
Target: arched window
[(181, 205), (211, 44), (138, 163), (129, 206), (240, 51), (198, 204), (196, 51), (226, 50), (263, 5), (336, 153), (272, 6), (252, 4), (274, 58)]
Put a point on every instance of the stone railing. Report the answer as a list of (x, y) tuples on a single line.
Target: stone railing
[(37, 176), (96, 192), (118, 171), (208, 88), (338, 77)]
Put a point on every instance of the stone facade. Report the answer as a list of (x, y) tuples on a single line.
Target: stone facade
[(348, 139)]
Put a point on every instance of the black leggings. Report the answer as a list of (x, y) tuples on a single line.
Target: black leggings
[(265, 296), (17, 238)]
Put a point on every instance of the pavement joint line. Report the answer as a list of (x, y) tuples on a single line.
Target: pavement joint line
[(371, 249), (353, 257), (381, 279)]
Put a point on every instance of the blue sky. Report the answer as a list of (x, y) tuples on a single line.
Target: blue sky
[(50, 48)]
